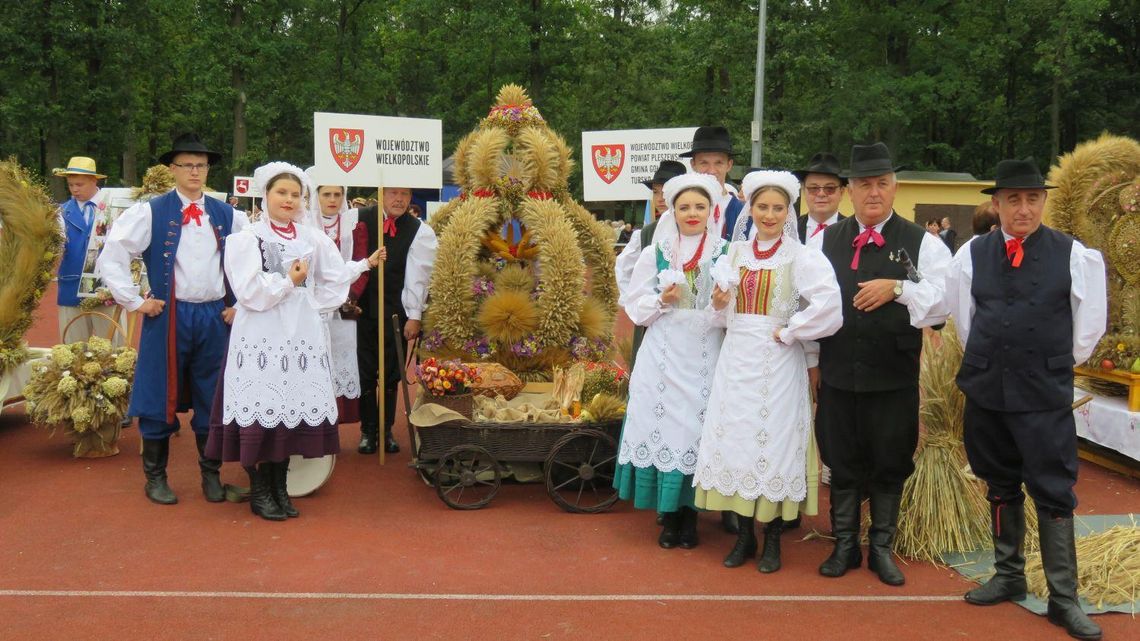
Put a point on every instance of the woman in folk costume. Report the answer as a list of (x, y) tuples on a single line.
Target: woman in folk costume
[(670, 293), (329, 210), (774, 294), (276, 398)]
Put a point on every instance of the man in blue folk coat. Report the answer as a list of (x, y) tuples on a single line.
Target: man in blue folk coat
[(180, 237), (83, 216)]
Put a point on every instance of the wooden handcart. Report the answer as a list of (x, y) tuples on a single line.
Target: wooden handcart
[(463, 459)]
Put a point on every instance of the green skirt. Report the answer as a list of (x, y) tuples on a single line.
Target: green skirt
[(651, 489)]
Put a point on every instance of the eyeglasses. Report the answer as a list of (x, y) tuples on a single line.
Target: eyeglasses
[(192, 167), (822, 189)]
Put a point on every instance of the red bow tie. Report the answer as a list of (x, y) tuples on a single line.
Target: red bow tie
[(390, 226), (869, 235), (192, 212), (1014, 251), (821, 227)]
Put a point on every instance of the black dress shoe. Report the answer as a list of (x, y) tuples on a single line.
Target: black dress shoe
[(368, 444), (390, 444)]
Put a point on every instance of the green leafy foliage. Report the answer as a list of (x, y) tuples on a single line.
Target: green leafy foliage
[(953, 86)]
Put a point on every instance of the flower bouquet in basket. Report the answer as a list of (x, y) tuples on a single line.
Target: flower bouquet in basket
[(83, 388), (449, 384)]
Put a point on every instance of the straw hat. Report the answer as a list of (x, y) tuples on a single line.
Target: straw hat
[(78, 166)]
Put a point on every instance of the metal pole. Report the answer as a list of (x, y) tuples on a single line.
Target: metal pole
[(758, 96)]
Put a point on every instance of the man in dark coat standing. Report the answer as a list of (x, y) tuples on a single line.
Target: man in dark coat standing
[(1029, 302), (823, 183), (892, 276), (411, 246)]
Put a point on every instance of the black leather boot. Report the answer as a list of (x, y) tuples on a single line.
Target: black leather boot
[(745, 546), (884, 523), (369, 439), (369, 422), (261, 502), (1059, 560), (670, 530), (1008, 581), (728, 522), (211, 472), (789, 525), (390, 444), (280, 489), (689, 538), (845, 527), (155, 453), (770, 559)]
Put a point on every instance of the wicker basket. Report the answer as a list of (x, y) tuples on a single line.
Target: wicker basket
[(507, 442), (461, 403)]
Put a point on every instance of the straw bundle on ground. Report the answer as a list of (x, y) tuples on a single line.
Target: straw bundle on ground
[(943, 507), (1108, 567)]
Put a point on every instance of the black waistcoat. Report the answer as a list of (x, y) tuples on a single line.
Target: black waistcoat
[(876, 351), (1019, 355), (647, 234), (395, 265)]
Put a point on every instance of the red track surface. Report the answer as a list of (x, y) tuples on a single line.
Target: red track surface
[(375, 539)]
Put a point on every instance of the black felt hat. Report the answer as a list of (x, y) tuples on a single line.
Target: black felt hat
[(189, 144), (1017, 174), (714, 139), (666, 170), (871, 160), (822, 163)]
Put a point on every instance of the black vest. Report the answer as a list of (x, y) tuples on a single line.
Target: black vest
[(647, 234), (1019, 355), (407, 226), (876, 351)]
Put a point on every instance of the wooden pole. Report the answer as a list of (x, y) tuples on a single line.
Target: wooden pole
[(382, 217)]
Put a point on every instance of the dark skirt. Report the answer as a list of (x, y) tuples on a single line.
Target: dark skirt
[(257, 444), (348, 410)]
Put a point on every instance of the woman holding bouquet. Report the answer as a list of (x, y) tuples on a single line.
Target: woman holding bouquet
[(670, 292), (773, 294), (277, 396)]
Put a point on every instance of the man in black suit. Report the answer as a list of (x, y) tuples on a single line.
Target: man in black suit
[(824, 185), (867, 418), (1029, 302)]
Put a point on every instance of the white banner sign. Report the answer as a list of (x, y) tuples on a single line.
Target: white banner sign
[(377, 151), (615, 162), (245, 187)]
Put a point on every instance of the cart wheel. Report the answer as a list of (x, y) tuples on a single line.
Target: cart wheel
[(461, 477), (580, 471), (426, 471)]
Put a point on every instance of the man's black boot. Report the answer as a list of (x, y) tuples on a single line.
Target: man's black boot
[(884, 524), (1059, 560), (155, 453), (1008, 581), (845, 527)]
